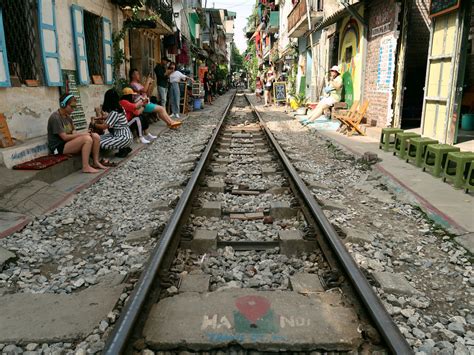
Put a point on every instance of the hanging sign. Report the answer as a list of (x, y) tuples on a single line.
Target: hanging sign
[(440, 7)]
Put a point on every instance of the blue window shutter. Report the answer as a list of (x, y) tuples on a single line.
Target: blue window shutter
[(107, 36), (4, 72), (80, 44), (49, 42)]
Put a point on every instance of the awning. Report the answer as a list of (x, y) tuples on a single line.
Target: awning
[(338, 15)]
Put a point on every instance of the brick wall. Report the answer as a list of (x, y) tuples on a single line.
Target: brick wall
[(381, 19)]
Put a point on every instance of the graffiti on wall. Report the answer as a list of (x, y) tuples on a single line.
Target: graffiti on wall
[(349, 48)]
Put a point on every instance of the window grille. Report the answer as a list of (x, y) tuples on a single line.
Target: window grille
[(150, 56), (93, 34), (20, 22)]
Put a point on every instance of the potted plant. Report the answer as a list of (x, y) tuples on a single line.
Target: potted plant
[(300, 101)]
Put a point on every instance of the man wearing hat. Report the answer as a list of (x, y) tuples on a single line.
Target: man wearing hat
[(162, 75), (332, 93)]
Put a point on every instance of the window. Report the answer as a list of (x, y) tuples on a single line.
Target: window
[(150, 56), (20, 23), (93, 35)]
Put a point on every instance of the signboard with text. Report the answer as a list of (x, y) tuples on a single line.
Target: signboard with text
[(279, 91)]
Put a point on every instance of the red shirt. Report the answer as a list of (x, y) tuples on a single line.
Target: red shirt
[(130, 109)]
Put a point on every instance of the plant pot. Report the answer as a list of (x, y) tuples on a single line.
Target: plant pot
[(301, 111), (467, 122)]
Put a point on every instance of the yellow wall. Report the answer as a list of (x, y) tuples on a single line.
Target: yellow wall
[(350, 35)]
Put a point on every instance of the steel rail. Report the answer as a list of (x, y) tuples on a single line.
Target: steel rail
[(383, 321), (117, 341)]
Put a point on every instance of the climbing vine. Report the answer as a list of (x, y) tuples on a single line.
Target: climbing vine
[(134, 21)]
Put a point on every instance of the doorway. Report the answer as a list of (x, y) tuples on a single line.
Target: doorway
[(416, 59)]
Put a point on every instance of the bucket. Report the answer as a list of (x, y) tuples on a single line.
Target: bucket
[(467, 122), (197, 104)]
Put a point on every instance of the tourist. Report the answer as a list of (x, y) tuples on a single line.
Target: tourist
[(258, 89), (141, 95), (268, 79), (119, 135), (332, 95), (133, 113), (175, 95), (207, 88), (63, 138), (162, 77)]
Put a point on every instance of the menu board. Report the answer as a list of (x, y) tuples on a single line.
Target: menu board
[(279, 91), (440, 7), (70, 86)]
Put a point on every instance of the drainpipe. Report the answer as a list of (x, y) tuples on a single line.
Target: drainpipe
[(365, 32)]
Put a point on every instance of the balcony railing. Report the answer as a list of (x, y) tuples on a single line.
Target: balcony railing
[(295, 16), (162, 8)]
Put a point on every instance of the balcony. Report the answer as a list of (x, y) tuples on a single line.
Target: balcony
[(298, 20), (274, 23), (162, 8)]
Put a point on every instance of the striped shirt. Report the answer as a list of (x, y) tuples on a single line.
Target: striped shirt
[(119, 135)]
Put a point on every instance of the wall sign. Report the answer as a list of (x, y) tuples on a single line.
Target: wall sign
[(440, 7), (279, 91), (386, 65)]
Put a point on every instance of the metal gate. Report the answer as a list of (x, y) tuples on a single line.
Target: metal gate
[(442, 76)]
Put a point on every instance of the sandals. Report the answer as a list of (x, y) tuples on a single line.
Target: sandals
[(175, 125), (106, 162)]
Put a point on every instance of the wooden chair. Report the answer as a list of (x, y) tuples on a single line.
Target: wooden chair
[(342, 115), (353, 123)]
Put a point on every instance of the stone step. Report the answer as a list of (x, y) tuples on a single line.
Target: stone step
[(44, 318), (258, 320)]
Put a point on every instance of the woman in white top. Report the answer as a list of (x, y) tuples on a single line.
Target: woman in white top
[(175, 96)]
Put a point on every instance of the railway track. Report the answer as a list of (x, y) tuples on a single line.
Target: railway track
[(248, 263)]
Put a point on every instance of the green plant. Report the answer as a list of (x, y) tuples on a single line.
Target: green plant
[(300, 100)]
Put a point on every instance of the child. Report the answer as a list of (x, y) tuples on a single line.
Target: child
[(258, 89)]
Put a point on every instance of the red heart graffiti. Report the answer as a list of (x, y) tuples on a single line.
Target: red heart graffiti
[(252, 307)]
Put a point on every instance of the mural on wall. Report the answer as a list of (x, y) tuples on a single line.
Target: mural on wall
[(349, 48)]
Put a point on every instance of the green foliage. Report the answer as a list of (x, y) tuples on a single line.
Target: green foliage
[(222, 72), (251, 66), (237, 60), (300, 100), (135, 21)]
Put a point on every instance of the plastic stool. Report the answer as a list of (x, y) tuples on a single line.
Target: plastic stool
[(385, 138), (469, 185), (416, 149), (435, 157), (457, 166), (401, 142)]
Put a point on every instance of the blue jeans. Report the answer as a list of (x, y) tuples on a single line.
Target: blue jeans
[(175, 97), (163, 95)]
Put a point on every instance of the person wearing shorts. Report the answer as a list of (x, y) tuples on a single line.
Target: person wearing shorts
[(63, 138), (142, 96)]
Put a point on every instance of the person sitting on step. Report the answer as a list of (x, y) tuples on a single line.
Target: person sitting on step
[(119, 135), (64, 139)]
